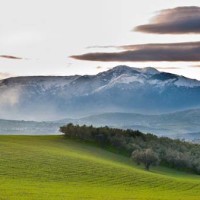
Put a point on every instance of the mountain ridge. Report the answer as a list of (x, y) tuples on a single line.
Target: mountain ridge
[(120, 89)]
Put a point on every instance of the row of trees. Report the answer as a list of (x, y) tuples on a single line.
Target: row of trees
[(144, 149)]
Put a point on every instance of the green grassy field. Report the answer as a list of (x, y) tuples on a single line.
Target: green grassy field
[(51, 167)]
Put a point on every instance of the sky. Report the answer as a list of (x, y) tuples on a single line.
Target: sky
[(66, 37)]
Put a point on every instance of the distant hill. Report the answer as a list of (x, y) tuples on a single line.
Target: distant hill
[(12, 127), (121, 89), (183, 125)]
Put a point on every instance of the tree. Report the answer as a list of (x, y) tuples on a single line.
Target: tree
[(145, 148), (147, 157)]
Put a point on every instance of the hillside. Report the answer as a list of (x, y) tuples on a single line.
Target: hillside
[(51, 167)]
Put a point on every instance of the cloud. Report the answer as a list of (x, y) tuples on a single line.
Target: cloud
[(195, 66), (168, 68), (9, 97), (4, 75), (178, 20), (10, 57), (188, 51), (176, 46), (100, 47)]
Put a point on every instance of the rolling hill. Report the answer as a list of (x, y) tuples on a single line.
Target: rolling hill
[(51, 167)]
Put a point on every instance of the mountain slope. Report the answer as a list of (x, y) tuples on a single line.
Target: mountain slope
[(51, 167), (121, 89)]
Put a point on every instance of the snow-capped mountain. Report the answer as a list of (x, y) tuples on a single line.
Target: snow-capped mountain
[(121, 89), (148, 75)]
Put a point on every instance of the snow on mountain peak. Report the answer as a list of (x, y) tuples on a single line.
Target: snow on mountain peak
[(123, 74), (123, 69), (149, 70), (186, 82), (145, 70)]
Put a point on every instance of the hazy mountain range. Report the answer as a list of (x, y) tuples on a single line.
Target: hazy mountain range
[(121, 89), (184, 124), (125, 97)]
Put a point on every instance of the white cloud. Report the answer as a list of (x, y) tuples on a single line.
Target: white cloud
[(4, 75), (9, 97)]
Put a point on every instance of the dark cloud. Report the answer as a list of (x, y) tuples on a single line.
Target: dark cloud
[(10, 57), (176, 46), (178, 20), (188, 51)]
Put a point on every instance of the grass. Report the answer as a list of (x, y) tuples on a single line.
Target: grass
[(52, 167)]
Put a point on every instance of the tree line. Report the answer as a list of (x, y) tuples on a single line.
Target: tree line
[(146, 149)]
